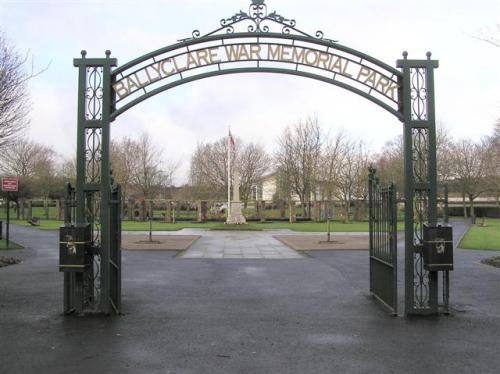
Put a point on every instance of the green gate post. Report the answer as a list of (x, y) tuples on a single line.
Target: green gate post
[(446, 212), (93, 173), (371, 219), (421, 286)]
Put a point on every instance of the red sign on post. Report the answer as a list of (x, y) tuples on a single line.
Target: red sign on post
[(9, 184)]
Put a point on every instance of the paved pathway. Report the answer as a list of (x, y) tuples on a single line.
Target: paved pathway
[(313, 315), (238, 245)]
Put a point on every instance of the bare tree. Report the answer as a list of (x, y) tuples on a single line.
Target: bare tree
[(209, 168), (494, 142), (14, 97), (148, 174), (169, 169), (390, 163), (138, 167), (45, 181), (490, 35), (35, 166), (22, 158), (253, 162), (471, 169), (330, 164), (444, 143), (352, 177), (67, 170), (298, 157), (124, 162)]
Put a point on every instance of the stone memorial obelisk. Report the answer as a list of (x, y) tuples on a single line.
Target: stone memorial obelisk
[(236, 216)]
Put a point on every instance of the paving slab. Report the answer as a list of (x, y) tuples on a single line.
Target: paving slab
[(238, 244), (141, 242), (319, 242)]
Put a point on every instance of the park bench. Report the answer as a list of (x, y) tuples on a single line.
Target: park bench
[(34, 221)]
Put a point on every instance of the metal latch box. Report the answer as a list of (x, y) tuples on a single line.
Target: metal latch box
[(438, 248), (74, 243)]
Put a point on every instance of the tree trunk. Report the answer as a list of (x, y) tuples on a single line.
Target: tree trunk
[(18, 212), (30, 210), (261, 209), (168, 213), (22, 208), (292, 215), (464, 205), (357, 210), (281, 207), (347, 210), (46, 208), (472, 212)]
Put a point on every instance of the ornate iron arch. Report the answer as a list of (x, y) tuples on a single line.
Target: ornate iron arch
[(256, 41), (271, 43)]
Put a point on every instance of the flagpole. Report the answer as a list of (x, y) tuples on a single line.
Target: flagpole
[(229, 174)]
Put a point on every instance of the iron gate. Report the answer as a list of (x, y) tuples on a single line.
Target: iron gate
[(81, 259), (260, 41), (383, 243), (115, 255)]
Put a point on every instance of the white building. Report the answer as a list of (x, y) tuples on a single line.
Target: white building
[(267, 189)]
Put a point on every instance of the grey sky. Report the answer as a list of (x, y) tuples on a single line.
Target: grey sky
[(257, 107)]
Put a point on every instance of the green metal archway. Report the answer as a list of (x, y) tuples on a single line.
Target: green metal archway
[(268, 43), (257, 52)]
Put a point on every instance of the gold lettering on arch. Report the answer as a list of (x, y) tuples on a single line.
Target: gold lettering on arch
[(289, 54)]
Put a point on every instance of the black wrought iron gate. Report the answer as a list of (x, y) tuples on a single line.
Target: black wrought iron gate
[(383, 243)]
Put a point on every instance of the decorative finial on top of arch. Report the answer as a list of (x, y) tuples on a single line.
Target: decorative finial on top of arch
[(258, 20)]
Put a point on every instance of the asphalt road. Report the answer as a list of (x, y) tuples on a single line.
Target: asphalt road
[(310, 315)]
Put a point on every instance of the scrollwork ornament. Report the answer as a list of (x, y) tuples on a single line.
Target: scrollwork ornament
[(418, 93), (236, 18), (258, 11), (420, 139), (258, 20), (421, 283), (96, 213), (93, 152), (94, 93)]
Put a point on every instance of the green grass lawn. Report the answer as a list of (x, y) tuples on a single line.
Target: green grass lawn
[(479, 237), (163, 226), (36, 212), (12, 245), (247, 212)]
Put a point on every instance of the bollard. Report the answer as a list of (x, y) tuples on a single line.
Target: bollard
[(1, 230)]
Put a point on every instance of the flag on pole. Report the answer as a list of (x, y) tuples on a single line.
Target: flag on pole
[(231, 141), (230, 149)]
